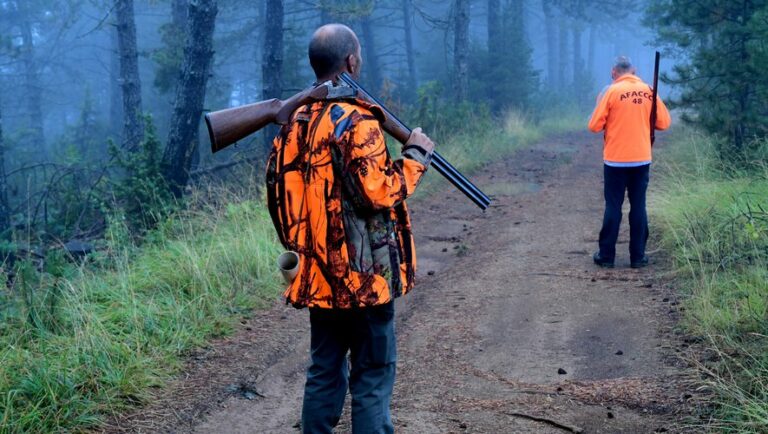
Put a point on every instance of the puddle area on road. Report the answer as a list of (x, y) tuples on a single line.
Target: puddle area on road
[(511, 188)]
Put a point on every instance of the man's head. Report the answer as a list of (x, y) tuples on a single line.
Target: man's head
[(334, 49), (622, 66)]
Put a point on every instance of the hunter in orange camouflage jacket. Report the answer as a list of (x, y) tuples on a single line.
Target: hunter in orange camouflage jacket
[(337, 198)]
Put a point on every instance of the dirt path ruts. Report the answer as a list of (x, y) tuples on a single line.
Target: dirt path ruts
[(506, 302)]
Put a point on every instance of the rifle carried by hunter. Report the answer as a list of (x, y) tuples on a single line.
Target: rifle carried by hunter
[(226, 127), (654, 107)]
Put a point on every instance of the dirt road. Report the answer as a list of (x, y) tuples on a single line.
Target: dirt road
[(511, 328)]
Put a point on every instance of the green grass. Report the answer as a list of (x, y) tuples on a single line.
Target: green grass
[(714, 223), (119, 327), (81, 343)]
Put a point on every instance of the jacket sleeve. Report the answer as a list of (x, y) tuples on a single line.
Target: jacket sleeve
[(381, 182), (600, 115), (663, 119)]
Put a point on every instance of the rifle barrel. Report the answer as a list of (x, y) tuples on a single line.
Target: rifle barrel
[(438, 162), (654, 105)]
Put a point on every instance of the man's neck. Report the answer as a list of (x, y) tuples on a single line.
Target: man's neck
[(332, 77), (324, 79)]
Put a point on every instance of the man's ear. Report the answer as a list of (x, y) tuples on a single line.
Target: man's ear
[(352, 65)]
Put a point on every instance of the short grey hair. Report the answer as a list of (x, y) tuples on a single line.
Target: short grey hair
[(623, 64), (329, 48)]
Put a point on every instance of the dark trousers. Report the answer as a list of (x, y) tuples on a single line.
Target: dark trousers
[(368, 335), (617, 180)]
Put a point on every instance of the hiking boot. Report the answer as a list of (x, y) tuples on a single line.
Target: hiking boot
[(640, 263), (599, 260)]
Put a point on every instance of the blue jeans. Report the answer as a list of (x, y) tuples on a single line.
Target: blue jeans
[(368, 334), (617, 180)]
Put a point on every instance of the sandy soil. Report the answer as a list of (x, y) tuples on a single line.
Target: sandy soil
[(511, 328)]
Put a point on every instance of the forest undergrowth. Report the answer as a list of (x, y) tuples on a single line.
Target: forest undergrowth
[(82, 340), (713, 213)]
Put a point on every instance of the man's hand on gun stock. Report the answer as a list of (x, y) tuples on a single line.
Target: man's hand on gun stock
[(420, 140)]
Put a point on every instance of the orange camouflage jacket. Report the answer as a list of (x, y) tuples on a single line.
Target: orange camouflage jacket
[(337, 199)]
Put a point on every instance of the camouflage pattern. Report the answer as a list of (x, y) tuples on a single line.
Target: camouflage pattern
[(337, 198)]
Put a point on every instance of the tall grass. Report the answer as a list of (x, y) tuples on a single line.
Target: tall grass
[(81, 342), (122, 324), (714, 219)]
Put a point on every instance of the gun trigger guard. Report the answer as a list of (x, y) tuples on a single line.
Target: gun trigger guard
[(418, 148)]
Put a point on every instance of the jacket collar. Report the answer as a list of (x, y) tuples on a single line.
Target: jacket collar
[(627, 77)]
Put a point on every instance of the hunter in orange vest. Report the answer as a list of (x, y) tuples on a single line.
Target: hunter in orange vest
[(337, 198), (623, 113)]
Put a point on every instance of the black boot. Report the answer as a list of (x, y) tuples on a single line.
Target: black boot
[(640, 263), (599, 260)]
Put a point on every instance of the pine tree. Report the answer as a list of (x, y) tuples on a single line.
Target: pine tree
[(133, 121), (461, 49), (507, 74), (723, 79), (272, 59), (190, 94), (5, 211), (168, 58)]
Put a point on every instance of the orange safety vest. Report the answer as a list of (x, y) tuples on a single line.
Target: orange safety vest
[(624, 112), (337, 199)]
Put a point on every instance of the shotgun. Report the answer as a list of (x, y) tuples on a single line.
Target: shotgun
[(655, 92), (227, 126), (397, 129)]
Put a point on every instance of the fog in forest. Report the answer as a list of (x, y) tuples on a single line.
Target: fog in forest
[(80, 91), (142, 274)]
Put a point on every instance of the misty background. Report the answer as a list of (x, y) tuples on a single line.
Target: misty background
[(126, 245), (66, 51), (101, 100)]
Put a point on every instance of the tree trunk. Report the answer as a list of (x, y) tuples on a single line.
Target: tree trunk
[(133, 122), (371, 66), (496, 52), (272, 59), (325, 14), (562, 60), (579, 84), (5, 209), (179, 23), (115, 97), (190, 94), (461, 49), (33, 90), (495, 35), (590, 69), (85, 128), (578, 62), (549, 28), (409, 56)]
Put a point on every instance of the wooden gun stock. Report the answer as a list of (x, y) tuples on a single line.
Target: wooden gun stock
[(227, 126)]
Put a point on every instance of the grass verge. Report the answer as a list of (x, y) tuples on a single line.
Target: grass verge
[(78, 343), (714, 223)]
